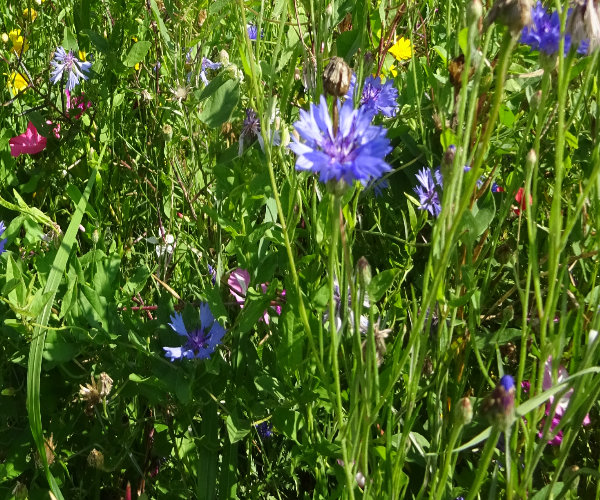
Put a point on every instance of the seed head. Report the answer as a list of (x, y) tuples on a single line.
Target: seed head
[(337, 77)]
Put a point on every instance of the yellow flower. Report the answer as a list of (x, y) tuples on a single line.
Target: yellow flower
[(82, 55), (16, 83), (402, 49), (30, 14), (389, 71), (19, 44), (40, 2), (137, 66)]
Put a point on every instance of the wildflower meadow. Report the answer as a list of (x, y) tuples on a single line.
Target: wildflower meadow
[(299, 249)]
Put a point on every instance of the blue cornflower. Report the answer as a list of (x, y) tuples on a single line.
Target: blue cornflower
[(264, 429), (543, 33), (207, 64), (429, 191), (376, 97), (67, 62), (213, 274), (2, 242), (252, 31), (355, 151), (201, 342)]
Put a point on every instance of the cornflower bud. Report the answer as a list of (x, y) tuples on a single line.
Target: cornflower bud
[(465, 411), (336, 77), (514, 14), (474, 11), (96, 459), (364, 272), (499, 407)]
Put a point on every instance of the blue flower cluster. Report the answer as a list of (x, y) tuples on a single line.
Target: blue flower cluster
[(377, 97), (543, 33)]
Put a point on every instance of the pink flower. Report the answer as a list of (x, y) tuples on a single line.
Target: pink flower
[(78, 102), (28, 143), (563, 403), (239, 281)]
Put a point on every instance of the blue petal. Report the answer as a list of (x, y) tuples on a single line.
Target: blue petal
[(177, 325)]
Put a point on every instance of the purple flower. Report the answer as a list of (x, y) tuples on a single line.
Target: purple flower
[(429, 191), (207, 64), (251, 130), (213, 274), (264, 429), (543, 33), (201, 342), (377, 97), (563, 403), (239, 282), (2, 242), (355, 151), (74, 68), (252, 31)]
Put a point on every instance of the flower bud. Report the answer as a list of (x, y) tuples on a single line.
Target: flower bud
[(336, 77), (224, 57), (96, 459), (364, 272), (499, 407), (95, 237), (531, 158), (5, 40), (465, 411), (514, 14), (167, 131), (583, 24)]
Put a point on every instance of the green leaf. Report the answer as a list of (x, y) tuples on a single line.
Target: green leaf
[(236, 428), (463, 39), (219, 106), (34, 366), (99, 42), (137, 53), (69, 41), (380, 284)]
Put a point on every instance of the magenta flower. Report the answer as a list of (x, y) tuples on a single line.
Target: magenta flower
[(239, 281), (563, 403), (28, 143)]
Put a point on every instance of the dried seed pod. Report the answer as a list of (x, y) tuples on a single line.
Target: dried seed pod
[(336, 77), (515, 14), (584, 24)]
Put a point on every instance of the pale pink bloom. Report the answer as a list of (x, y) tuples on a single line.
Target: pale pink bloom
[(239, 281), (28, 143), (563, 403), (56, 129)]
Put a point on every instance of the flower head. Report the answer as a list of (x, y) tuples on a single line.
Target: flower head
[(520, 199), (264, 429), (16, 83), (354, 151), (239, 282), (563, 402), (66, 62), (19, 44), (376, 96), (28, 143), (30, 14), (401, 50), (429, 191), (543, 33), (2, 242), (199, 343), (207, 64), (252, 31)]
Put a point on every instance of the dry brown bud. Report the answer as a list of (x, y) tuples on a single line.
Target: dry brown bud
[(336, 77)]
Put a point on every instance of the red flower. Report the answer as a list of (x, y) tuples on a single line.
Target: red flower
[(28, 143), (520, 199)]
